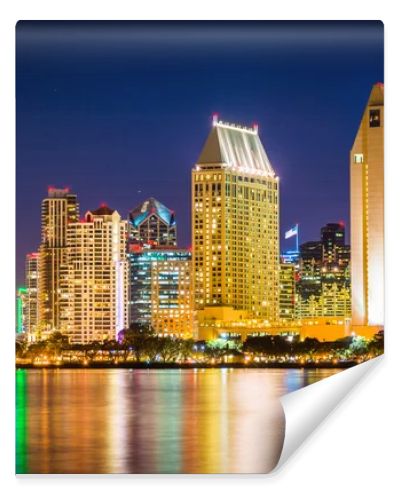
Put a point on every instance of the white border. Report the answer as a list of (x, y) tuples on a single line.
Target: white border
[(349, 455)]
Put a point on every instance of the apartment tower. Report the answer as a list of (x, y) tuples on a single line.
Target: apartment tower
[(59, 208), (31, 313), (97, 276)]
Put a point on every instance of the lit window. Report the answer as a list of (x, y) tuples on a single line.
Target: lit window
[(358, 158), (375, 118)]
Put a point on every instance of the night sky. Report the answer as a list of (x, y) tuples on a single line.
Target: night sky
[(120, 111)]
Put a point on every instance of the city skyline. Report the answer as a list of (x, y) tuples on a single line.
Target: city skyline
[(79, 122), (200, 224), (284, 244)]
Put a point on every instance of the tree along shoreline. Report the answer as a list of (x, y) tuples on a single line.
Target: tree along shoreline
[(139, 347), (188, 366)]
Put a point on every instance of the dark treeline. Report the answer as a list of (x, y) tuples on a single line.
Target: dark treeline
[(139, 344), (277, 345)]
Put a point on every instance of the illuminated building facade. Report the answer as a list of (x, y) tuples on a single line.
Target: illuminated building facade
[(171, 295), (290, 257), (333, 301), (235, 226), (366, 207), (332, 239), (324, 275), (97, 277), (310, 264), (287, 291), (152, 223), (31, 314), (59, 208), (160, 290), (21, 310)]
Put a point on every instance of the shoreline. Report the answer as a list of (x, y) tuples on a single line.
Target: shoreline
[(175, 366)]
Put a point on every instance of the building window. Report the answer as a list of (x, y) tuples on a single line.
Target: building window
[(358, 158), (375, 118)]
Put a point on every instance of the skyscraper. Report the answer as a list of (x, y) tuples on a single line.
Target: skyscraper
[(31, 313), (97, 276), (235, 226), (366, 204), (171, 296), (21, 310), (310, 264), (152, 223), (332, 238), (287, 291), (59, 208), (160, 290), (324, 275)]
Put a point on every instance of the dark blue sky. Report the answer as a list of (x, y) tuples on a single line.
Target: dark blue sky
[(120, 111)]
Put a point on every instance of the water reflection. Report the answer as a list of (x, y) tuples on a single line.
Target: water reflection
[(152, 421)]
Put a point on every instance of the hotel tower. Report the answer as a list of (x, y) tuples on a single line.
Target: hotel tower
[(59, 208), (367, 200), (235, 231)]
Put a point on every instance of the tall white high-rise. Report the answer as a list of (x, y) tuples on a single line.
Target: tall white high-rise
[(31, 310), (97, 277)]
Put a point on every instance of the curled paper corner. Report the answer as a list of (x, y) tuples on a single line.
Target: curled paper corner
[(306, 408)]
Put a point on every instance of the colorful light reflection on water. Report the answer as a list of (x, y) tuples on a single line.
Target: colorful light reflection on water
[(152, 421)]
